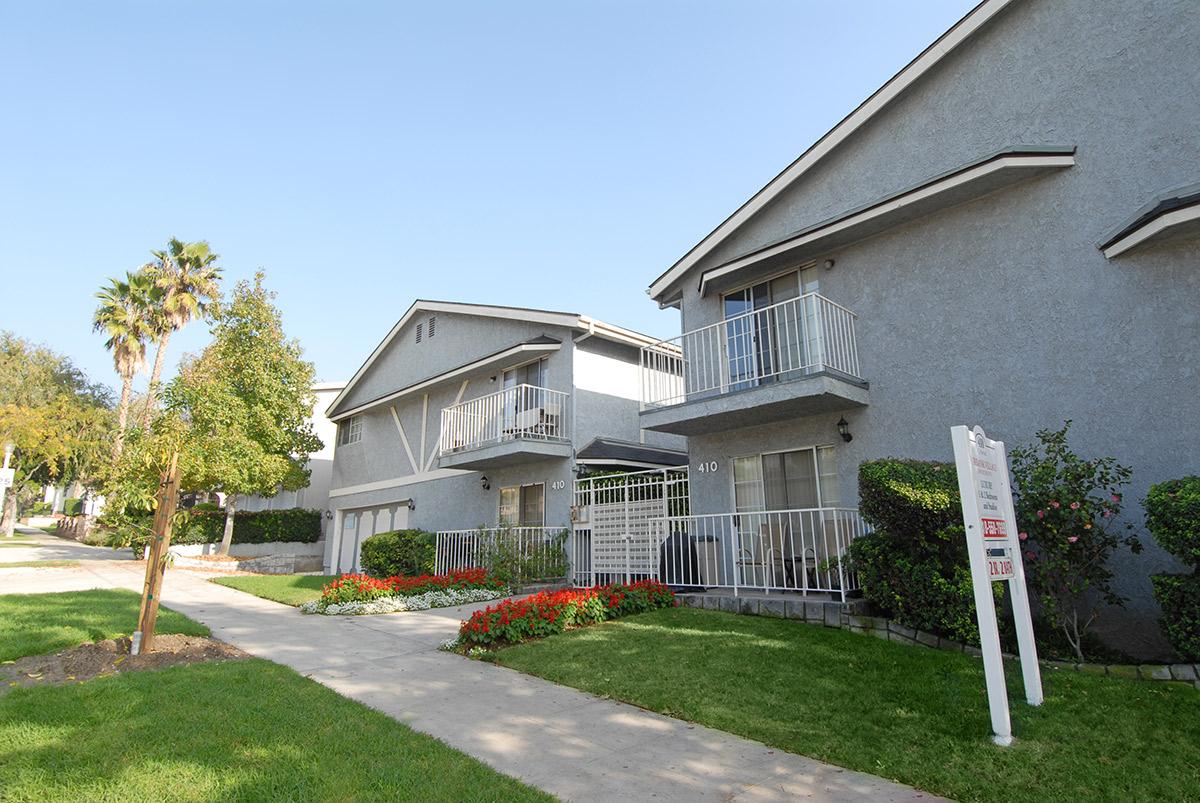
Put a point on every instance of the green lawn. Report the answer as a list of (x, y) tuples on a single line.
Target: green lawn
[(290, 589), (34, 624), (240, 730), (40, 564), (912, 714)]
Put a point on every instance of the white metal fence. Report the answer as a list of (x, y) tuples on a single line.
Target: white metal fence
[(774, 550), (805, 335), (515, 554), (522, 411), (611, 521)]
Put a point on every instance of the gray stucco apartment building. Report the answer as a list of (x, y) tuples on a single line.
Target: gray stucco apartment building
[(470, 415), (1004, 234)]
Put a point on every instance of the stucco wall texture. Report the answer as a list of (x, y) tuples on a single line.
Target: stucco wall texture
[(1002, 311)]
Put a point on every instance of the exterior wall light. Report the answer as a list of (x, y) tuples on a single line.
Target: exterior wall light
[(328, 515), (484, 482), (844, 430), (412, 505)]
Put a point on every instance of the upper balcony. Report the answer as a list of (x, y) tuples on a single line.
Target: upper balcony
[(510, 426), (797, 357)]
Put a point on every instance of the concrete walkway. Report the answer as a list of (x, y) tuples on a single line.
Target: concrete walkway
[(51, 547), (571, 744)]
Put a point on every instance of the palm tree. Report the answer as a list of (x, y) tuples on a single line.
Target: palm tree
[(190, 283), (124, 316)]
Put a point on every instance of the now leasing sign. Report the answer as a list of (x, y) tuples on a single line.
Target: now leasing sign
[(995, 554)]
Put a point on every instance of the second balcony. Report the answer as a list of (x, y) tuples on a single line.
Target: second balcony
[(514, 425)]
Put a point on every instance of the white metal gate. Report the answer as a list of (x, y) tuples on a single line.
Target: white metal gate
[(613, 536)]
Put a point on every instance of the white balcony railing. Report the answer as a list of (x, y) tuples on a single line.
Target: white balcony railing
[(805, 335), (520, 412), (774, 550)]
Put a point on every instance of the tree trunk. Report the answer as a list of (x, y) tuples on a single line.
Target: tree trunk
[(227, 536), (9, 517), (123, 413), (152, 391)]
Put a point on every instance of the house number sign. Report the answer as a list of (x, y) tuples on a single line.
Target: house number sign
[(991, 525), (558, 485), (707, 467)]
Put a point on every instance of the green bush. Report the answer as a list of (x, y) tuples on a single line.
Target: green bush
[(920, 591), (1179, 597), (39, 509), (73, 506), (914, 566), (404, 553), (909, 497), (1173, 517)]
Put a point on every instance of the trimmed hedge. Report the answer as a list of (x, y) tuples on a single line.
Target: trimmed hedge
[(405, 553), (916, 497), (251, 527), (914, 566), (1173, 518), (73, 506), (1179, 597)]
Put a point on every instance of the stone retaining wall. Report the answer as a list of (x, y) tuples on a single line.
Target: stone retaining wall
[(267, 564), (851, 615)]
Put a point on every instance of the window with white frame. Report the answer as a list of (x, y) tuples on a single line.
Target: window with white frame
[(793, 480), (350, 430), (523, 505)]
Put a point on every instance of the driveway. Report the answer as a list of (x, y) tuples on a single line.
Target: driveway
[(571, 744)]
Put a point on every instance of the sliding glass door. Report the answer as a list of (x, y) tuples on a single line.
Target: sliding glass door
[(766, 338)]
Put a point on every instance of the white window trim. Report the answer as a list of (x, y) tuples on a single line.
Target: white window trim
[(762, 485), (352, 427)]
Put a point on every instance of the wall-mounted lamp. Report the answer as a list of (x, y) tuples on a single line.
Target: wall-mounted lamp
[(829, 263), (844, 430), (328, 515), (412, 505), (484, 482)]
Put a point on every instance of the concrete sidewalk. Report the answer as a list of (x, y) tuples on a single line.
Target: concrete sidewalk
[(571, 744), (42, 546)]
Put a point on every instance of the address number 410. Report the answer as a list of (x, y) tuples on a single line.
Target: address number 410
[(707, 467)]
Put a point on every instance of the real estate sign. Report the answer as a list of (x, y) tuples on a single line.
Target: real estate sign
[(995, 554)]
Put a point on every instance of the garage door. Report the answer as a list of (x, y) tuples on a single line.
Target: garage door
[(360, 524)]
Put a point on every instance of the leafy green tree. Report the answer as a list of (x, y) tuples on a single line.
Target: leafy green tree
[(188, 283), (60, 422), (125, 316), (1068, 521), (245, 401)]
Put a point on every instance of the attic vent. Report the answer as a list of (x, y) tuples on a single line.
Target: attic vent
[(432, 325), (419, 329)]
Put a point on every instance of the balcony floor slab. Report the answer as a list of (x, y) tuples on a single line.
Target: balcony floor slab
[(504, 453), (777, 401)]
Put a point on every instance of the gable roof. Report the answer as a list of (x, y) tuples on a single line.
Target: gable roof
[(923, 63), (589, 327)]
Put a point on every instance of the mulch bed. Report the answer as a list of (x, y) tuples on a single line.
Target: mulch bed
[(111, 657)]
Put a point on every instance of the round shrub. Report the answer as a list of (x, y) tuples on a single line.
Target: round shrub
[(1179, 597), (926, 590), (1173, 517), (909, 497), (73, 506), (406, 553)]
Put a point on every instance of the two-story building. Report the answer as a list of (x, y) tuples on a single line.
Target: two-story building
[(472, 416), (1007, 233)]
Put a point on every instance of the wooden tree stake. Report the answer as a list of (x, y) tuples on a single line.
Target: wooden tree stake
[(168, 495)]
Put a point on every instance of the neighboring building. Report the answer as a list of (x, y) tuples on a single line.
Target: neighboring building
[(315, 495), (470, 415), (1007, 233)]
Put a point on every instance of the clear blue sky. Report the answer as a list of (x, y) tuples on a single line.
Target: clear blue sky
[(549, 154)]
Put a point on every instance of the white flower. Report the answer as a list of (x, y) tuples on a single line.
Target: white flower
[(420, 602)]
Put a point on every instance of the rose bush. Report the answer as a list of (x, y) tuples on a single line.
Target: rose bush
[(551, 612)]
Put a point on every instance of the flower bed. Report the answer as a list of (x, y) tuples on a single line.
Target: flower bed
[(551, 612), (361, 594)]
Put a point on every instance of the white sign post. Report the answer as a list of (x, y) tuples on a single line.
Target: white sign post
[(995, 554)]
